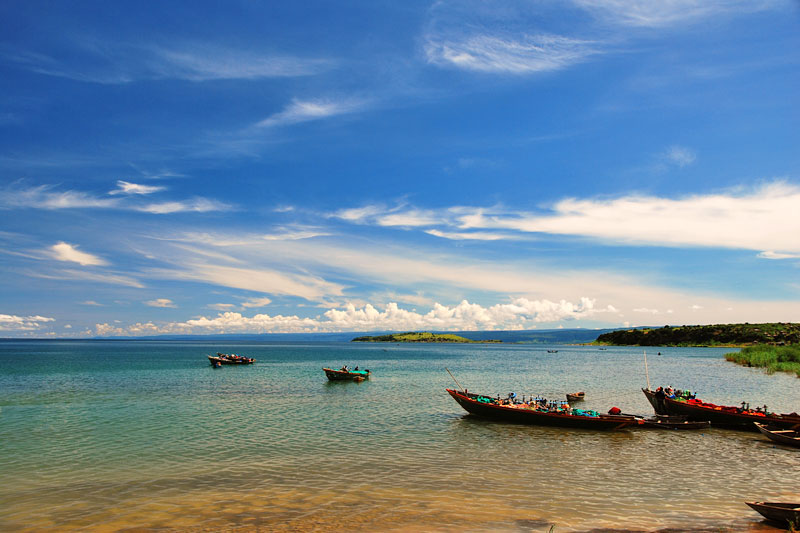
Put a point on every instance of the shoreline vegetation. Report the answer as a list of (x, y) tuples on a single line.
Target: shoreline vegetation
[(771, 358), (719, 335), (422, 336), (775, 347)]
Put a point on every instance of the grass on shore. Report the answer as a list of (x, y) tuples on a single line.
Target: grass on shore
[(771, 358)]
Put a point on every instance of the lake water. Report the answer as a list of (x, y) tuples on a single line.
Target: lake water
[(145, 435)]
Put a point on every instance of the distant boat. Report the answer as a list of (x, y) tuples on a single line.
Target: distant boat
[(552, 351), (790, 437), (487, 407), (719, 415), (576, 396), (229, 359), (779, 512), (346, 375)]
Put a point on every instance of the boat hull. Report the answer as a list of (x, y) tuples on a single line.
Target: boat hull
[(783, 513), (787, 436), (537, 418), (342, 375), (718, 418), (221, 360)]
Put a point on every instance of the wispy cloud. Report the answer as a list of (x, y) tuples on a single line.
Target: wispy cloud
[(95, 61), (649, 14), (777, 255), (197, 205), (523, 54), (94, 277), (124, 187), (256, 302), (306, 110), (161, 302), (68, 252), (680, 156)]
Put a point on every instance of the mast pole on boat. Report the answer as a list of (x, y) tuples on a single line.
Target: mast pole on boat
[(454, 379), (646, 373)]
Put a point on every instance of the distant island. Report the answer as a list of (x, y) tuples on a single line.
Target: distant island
[(423, 336), (775, 334)]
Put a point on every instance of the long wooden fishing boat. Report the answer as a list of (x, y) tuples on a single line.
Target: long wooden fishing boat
[(346, 375), (784, 513), (790, 437), (230, 359), (487, 407), (680, 423), (720, 415)]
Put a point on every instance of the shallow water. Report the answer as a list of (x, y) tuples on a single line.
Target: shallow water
[(142, 435)]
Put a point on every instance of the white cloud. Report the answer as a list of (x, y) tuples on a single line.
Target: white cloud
[(95, 277), (256, 302), (43, 197), (663, 13), (646, 310), (22, 323), (125, 187), (522, 54), (777, 255), (197, 205), (680, 156), (462, 236), (160, 302), (92, 303), (67, 252), (221, 307), (304, 111)]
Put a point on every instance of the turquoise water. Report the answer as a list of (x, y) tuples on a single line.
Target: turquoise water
[(114, 435)]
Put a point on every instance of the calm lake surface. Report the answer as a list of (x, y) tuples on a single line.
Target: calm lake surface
[(145, 435)]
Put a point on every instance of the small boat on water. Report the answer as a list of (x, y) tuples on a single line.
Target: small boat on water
[(229, 359), (719, 415), (345, 374), (552, 351), (786, 514), (790, 437), (674, 422), (538, 413), (576, 396)]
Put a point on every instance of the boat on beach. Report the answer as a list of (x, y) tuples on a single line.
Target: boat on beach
[(790, 437), (719, 415), (345, 374), (786, 514), (229, 359), (535, 413)]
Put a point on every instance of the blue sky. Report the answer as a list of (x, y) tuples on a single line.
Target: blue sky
[(254, 167)]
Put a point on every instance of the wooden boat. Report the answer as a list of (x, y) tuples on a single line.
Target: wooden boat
[(718, 415), (674, 422), (790, 437), (229, 359), (786, 514), (576, 396), (552, 351), (346, 375), (486, 407)]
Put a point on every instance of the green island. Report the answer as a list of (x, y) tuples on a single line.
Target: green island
[(423, 336), (774, 347)]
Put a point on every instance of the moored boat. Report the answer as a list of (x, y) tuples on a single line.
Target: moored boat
[(576, 396), (345, 374), (229, 359), (673, 422), (719, 415), (534, 413), (790, 437), (784, 513)]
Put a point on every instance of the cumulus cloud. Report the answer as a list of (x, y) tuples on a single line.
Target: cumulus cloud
[(518, 314), (160, 302), (23, 323), (67, 252)]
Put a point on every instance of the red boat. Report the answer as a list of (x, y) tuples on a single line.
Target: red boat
[(719, 415), (487, 407)]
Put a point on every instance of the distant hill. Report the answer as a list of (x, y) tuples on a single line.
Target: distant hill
[(423, 336), (777, 334)]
